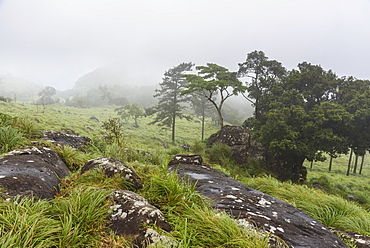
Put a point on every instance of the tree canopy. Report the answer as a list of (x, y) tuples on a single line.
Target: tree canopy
[(304, 115), (214, 81)]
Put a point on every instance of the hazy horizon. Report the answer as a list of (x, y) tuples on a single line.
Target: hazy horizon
[(54, 43)]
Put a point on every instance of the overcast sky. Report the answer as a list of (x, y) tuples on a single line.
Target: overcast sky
[(54, 42)]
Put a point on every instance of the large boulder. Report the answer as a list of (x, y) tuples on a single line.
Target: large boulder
[(132, 215), (244, 148), (112, 166), (63, 139), (292, 225), (31, 171)]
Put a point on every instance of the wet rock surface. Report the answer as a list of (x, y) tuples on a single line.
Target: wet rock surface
[(31, 171), (132, 215), (111, 167), (62, 139), (361, 241), (292, 225)]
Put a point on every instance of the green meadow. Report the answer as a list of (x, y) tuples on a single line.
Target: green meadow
[(76, 217)]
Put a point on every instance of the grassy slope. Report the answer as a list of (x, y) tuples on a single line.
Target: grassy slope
[(158, 185)]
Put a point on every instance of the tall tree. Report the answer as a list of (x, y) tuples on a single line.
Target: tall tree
[(300, 121), (169, 103), (262, 73), (214, 81)]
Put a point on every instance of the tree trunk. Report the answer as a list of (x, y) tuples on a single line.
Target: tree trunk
[(355, 166), (174, 113), (349, 163), (203, 120), (220, 117), (330, 163), (362, 164), (173, 126), (311, 165)]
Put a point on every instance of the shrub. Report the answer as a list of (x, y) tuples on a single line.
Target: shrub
[(113, 131)]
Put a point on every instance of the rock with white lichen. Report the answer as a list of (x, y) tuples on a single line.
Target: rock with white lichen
[(31, 171), (111, 167), (63, 139), (132, 215), (290, 224)]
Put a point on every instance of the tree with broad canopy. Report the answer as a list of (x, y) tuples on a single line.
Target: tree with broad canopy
[(214, 81)]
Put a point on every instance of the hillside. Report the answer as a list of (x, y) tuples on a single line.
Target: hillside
[(162, 188)]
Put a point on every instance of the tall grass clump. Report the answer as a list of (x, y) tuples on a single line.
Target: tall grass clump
[(201, 226), (199, 147), (82, 212), (26, 222), (10, 139), (99, 179), (29, 128), (167, 191), (73, 158), (15, 132), (220, 153)]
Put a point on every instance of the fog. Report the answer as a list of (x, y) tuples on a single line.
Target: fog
[(55, 43)]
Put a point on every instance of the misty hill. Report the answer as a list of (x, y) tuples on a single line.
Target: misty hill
[(19, 89), (115, 82)]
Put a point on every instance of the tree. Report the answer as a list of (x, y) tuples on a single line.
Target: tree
[(354, 95), (263, 73), (212, 81), (169, 104), (201, 106), (300, 120), (130, 111), (46, 96)]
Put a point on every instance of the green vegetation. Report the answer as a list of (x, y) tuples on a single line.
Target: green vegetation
[(212, 81), (77, 215)]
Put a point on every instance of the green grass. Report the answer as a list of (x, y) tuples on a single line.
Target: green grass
[(77, 215)]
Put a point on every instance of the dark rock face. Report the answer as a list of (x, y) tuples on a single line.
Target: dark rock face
[(111, 167), (241, 142), (244, 147), (59, 138), (361, 241), (32, 171), (131, 213), (292, 225)]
